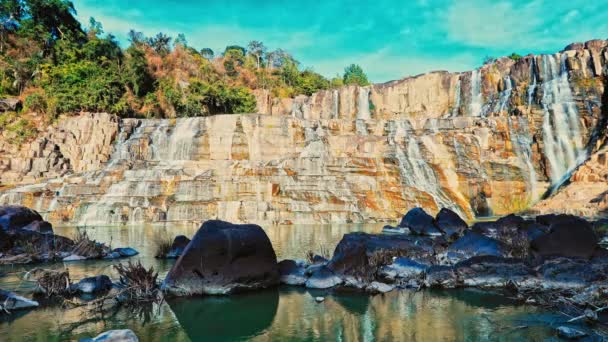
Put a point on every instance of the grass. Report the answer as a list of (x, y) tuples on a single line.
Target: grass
[(163, 246)]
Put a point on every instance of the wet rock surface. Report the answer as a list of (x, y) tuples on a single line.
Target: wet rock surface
[(178, 246), (10, 301), (125, 335), (97, 284), (223, 258)]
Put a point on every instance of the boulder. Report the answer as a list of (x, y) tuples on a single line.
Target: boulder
[(126, 252), (10, 105), (441, 277), (378, 287), (43, 227), (570, 333), (177, 247), (124, 335), (420, 223), (359, 254), (403, 268), (571, 237), (564, 273), (474, 244), (395, 230), (493, 271), (450, 223), (74, 257), (223, 258), (292, 272), (504, 226), (96, 284), (10, 301), (14, 217), (323, 278)]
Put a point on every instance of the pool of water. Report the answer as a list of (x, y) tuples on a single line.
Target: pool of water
[(283, 314)]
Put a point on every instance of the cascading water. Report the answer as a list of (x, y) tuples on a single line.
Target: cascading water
[(363, 111), (522, 140), (505, 95), (415, 170), (336, 104), (532, 86), (561, 127), (476, 105), (457, 100)]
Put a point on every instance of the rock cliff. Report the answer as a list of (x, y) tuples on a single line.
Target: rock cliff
[(486, 142)]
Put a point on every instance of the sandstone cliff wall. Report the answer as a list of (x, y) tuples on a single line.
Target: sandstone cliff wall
[(486, 142)]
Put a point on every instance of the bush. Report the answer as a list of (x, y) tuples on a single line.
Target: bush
[(35, 102), (20, 129)]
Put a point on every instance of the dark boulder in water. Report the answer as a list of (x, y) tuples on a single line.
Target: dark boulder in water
[(450, 223), (292, 272), (359, 253), (569, 237), (40, 227), (178, 246), (11, 301), (420, 223), (492, 271), (474, 244), (96, 284), (223, 258), (14, 217)]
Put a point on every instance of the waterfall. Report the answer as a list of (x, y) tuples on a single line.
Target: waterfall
[(476, 105), (363, 111), (457, 98), (521, 140), (415, 170), (336, 104), (532, 86), (505, 95), (561, 126)]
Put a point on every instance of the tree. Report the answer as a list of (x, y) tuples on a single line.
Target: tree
[(95, 28), (161, 44), (353, 74), (257, 50), (136, 38), (514, 56), (54, 17), (181, 40), (233, 57), (207, 53), (235, 48), (136, 75)]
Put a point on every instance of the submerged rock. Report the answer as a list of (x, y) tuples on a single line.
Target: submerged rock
[(10, 301), (96, 284), (570, 333), (494, 272), (74, 257), (441, 277), (450, 223), (126, 252), (223, 258), (125, 335), (379, 287), (420, 223)]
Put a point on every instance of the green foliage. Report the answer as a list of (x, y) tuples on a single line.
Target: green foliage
[(161, 43), (353, 74), (136, 75), (515, 57), (83, 86), (35, 102), (310, 82), (19, 129)]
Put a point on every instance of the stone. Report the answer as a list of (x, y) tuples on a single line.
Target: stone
[(177, 247), (570, 238), (10, 301), (474, 244), (494, 272), (126, 252), (112, 255), (395, 230), (319, 299), (317, 259), (74, 257), (420, 223), (356, 252), (323, 278), (125, 335), (440, 277), (403, 268), (292, 273), (450, 223), (95, 284), (10, 105), (14, 217), (570, 333), (568, 273), (223, 258), (379, 287), (40, 227)]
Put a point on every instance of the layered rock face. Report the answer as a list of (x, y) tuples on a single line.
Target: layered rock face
[(491, 141)]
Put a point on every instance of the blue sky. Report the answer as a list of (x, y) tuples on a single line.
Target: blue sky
[(390, 39)]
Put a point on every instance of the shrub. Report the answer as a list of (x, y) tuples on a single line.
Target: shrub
[(139, 283)]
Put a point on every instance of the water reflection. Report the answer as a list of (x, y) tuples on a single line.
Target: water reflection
[(286, 314)]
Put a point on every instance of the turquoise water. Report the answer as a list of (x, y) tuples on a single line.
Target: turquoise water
[(283, 314)]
